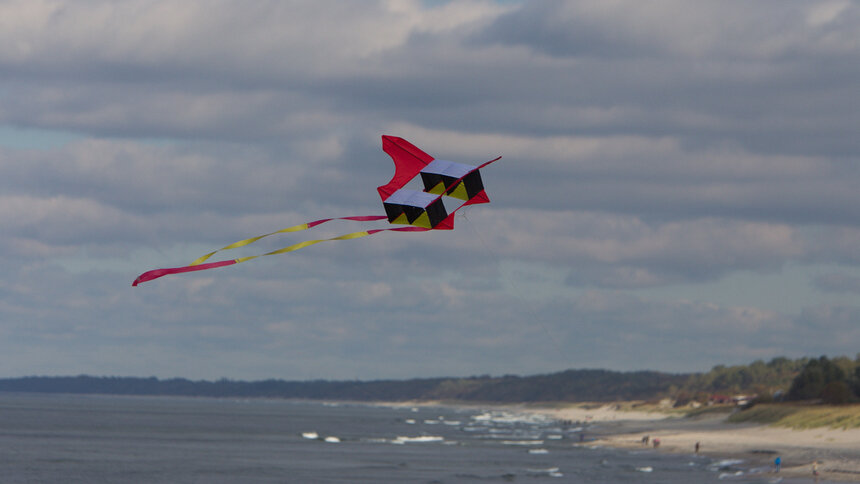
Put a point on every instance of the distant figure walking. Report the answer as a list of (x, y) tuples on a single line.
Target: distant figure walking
[(776, 463), (645, 440), (697, 447), (656, 443), (815, 468)]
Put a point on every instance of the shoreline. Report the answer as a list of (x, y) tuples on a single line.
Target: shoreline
[(836, 451)]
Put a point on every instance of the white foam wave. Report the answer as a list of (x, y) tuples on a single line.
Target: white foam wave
[(522, 442), (420, 439), (550, 471), (509, 434), (726, 463), (510, 418), (332, 439), (538, 451), (645, 469), (310, 435)]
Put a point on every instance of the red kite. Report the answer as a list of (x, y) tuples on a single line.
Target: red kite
[(421, 210)]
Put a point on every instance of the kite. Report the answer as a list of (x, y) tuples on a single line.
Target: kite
[(420, 210)]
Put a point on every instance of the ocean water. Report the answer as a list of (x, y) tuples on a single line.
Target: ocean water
[(111, 439)]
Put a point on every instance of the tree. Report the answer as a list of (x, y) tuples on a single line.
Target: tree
[(836, 393), (857, 380), (811, 381)]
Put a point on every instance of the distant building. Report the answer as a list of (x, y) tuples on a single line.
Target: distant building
[(730, 400)]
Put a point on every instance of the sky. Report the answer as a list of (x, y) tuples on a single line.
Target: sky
[(678, 187)]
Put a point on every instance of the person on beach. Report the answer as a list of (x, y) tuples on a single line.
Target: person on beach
[(697, 447), (776, 463), (815, 468)]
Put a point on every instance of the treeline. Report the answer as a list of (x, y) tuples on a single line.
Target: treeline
[(571, 385), (833, 380), (764, 380)]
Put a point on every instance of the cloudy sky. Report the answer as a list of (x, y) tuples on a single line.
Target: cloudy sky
[(679, 186)]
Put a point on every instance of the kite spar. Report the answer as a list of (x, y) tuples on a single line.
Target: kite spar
[(420, 210)]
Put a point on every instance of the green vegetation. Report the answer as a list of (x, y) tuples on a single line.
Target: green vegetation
[(816, 380), (844, 417), (833, 381), (767, 414), (758, 378), (708, 410), (567, 386), (799, 416)]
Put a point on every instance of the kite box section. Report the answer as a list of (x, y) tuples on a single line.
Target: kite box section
[(426, 208), (455, 180), (412, 207)]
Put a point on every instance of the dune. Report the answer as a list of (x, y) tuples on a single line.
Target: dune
[(836, 451)]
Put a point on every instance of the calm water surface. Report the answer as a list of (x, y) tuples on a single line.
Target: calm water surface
[(110, 439)]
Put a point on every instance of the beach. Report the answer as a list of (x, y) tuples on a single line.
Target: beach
[(837, 451)]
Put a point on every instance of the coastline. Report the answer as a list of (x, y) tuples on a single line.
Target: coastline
[(836, 451)]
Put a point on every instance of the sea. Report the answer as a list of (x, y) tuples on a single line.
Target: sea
[(53, 438)]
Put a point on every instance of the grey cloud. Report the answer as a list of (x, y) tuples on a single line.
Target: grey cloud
[(713, 29), (835, 245), (626, 251), (501, 89), (751, 69), (831, 324), (837, 283), (638, 152), (297, 320)]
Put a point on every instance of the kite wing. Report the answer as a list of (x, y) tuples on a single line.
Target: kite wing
[(422, 209)]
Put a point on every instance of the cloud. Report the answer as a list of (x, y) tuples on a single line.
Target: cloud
[(640, 156), (837, 283), (709, 30), (301, 316), (626, 251)]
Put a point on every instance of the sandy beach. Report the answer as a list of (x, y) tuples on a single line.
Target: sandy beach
[(836, 451)]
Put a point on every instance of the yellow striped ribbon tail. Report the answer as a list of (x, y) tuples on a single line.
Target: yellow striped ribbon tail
[(294, 228), (306, 243), (157, 273), (352, 235)]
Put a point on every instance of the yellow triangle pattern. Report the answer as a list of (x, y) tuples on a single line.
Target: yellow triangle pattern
[(401, 219), (423, 220), (439, 189), (459, 192)]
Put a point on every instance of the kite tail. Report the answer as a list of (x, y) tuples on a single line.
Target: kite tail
[(197, 266), (156, 273), (294, 228)]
